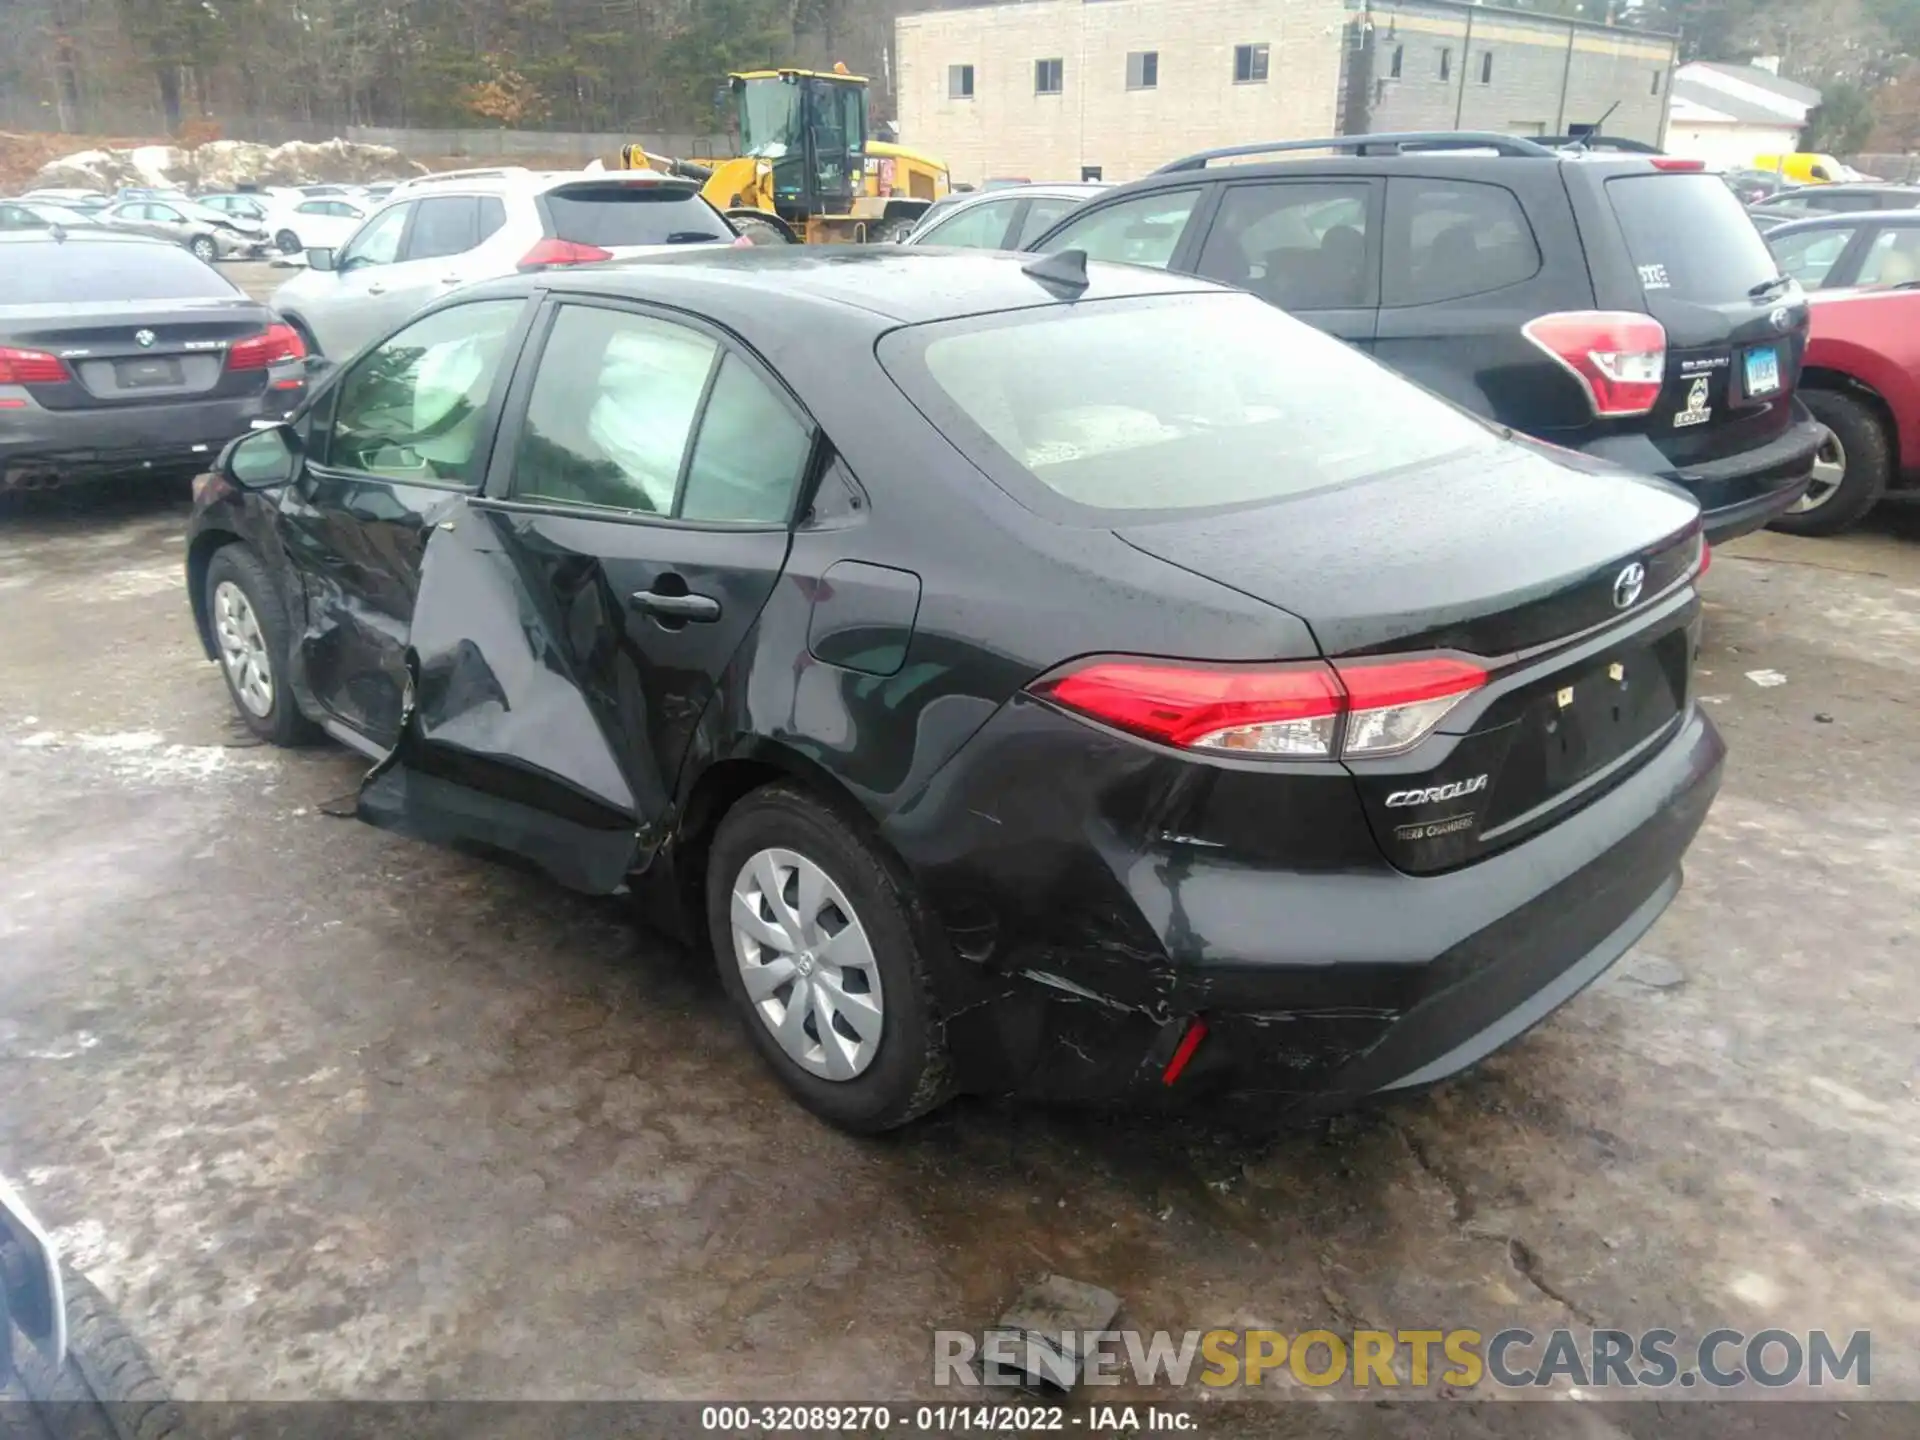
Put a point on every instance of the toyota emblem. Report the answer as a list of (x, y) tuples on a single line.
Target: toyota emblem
[(1781, 318), (1628, 584), (143, 338)]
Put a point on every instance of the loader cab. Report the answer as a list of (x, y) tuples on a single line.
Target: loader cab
[(811, 126)]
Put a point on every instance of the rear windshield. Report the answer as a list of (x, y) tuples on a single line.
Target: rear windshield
[(1689, 238), (612, 216), (1179, 403), (55, 273)]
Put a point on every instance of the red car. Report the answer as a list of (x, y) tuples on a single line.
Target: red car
[(1861, 379)]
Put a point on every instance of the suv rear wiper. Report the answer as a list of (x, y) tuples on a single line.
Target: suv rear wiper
[(1767, 287)]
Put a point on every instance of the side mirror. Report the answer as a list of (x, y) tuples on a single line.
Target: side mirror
[(320, 258), (318, 365), (267, 457)]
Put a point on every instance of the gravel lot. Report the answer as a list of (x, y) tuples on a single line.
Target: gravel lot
[(328, 1112)]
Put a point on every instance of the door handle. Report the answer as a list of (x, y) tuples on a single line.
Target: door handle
[(449, 279), (376, 289), (700, 608)]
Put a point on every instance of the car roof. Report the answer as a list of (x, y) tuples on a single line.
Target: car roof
[(94, 235), (902, 284)]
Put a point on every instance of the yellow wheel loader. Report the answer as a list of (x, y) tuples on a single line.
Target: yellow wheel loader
[(807, 171)]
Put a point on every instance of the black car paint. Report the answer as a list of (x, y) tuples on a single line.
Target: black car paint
[(1471, 349), (1086, 886)]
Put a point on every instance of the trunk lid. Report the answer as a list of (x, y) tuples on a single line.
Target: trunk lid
[(135, 351), (1567, 582), (1735, 342)]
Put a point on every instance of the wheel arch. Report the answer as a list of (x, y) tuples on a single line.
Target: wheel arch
[(749, 212), (1819, 377)]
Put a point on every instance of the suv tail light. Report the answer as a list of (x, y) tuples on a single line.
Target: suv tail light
[(1313, 710), (1674, 162), (31, 367), (1618, 356), (271, 346), (552, 251)]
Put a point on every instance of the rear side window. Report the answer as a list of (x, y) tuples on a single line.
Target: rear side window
[(57, 274), (1689, 239), (614, 216), (451, 225), (1143, 231), (1894, 258), (1448, 239), (1301, 245), (1191, 402), (979, 227)]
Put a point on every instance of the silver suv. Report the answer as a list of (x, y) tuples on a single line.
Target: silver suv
[(441, 231)]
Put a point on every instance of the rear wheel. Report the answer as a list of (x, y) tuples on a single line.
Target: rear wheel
[(108, 1389), (253, 640), (820, 948), (203, 248), (1850, 470), (287, 242)]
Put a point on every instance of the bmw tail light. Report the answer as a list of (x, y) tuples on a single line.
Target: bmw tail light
[(271, 346), (1311, 711), (1619, 357), (1706, 558), (31, 367), (551, 251)]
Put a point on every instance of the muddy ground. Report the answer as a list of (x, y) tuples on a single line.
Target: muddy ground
[(329, 1112)]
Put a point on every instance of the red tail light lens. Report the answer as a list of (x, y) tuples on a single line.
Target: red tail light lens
[(1706, 558), (1291, 711), (1618, 356), (562, 252), (1674, 162), (31, 367), (269, 347)]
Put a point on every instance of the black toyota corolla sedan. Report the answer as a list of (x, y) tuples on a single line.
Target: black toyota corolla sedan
[(1030, 677)]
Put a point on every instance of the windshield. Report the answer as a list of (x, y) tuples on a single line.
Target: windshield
[(1189, 402), (769, 118)]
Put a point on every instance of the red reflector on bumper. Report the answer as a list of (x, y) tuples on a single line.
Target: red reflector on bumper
[(1189, 1042)]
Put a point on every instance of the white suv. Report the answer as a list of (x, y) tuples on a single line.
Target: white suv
[(441, 231)]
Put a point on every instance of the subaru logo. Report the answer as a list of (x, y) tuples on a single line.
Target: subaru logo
[(1781, 318), (143, 338), (1628, 584)]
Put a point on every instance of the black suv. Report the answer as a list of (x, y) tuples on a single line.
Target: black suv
[(1618, 305)]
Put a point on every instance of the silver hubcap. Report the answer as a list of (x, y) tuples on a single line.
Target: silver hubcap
[(806, 963), (1829, 469), (243, 649)]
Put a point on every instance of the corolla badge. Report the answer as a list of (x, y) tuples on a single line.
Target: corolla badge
[(143, 338), (1432, 793), (1628, 584)]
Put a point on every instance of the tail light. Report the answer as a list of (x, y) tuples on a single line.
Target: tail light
[(1706, 558), (31, 367), (271, 346), (1619, 357), (1674, 162), (1353, 709), (552, 251)]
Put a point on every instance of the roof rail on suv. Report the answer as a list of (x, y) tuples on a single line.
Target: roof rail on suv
[(485, 172), (1395, 143)]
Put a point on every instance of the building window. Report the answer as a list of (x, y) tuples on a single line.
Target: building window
[(1446, 62), (1143, 70), (960, 82), (1486, 67), (1249, 64), (1047, 76), (1399, 54), (1656, 84)]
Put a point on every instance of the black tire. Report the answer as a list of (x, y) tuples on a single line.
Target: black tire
[(204, 249), (107, 1390), (1865, 452), (283, 724), (760, 232), (889, 231), (908, 1075), (288, 242)]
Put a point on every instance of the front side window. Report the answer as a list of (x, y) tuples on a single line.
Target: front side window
[(1808, 256), (1141, 231), (1178, 403), (1249, 64), (1048, 76), (413, 407), (1894, 258), (378, 241)]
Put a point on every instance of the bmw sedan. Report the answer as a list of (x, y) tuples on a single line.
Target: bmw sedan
[(1024, 675)]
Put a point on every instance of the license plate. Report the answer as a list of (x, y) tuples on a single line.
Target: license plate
[(141, 374), (1763, 370)]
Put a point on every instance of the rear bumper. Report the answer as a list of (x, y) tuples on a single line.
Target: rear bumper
[(1739, 493), (39, 445), (1318, 986)]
